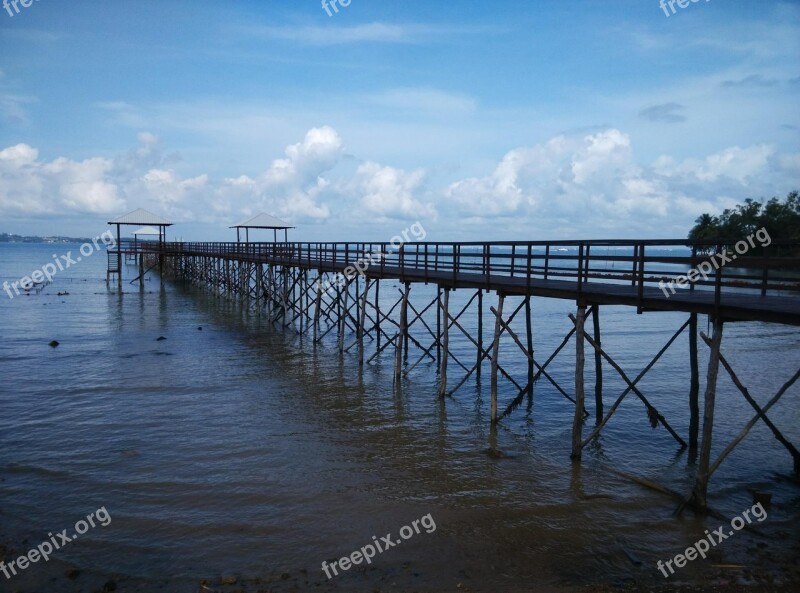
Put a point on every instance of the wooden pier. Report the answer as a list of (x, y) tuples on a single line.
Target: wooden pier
[(334, 288)]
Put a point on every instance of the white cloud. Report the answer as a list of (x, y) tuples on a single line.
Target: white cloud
[(387, 191), (30, 186), (572, 185)]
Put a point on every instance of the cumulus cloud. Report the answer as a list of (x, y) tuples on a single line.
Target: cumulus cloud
[(31, 186), (387, 191), (586, 184), (573, 185)]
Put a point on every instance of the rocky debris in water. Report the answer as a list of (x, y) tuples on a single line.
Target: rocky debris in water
[(65, 293), (53, 344), (160, 339), (72, 573), (200, 328), (764, 498), (229, 580)]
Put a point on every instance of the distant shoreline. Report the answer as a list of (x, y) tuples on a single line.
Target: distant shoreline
[(9, 238)]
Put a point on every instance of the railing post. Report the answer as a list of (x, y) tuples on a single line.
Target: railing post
[(513, 257), (530, 249), (718, 286), (426, 264), (640, 291), (586, 262), (546, 261), (456, 256)]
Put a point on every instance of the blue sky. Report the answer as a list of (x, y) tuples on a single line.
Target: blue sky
[(482, 120)]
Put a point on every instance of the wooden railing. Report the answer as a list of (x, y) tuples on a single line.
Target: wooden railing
[(764, 269)]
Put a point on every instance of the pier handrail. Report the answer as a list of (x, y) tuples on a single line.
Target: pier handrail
[(657, 263)]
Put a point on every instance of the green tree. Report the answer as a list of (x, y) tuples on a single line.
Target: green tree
[(781, 219)]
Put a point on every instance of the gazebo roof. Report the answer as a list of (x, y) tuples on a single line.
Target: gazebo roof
[(146, 230), (141, 217), (262, 221)]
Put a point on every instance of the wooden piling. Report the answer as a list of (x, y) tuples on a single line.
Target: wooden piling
[(439, 325), (700, 490), (529, 332), (404, 319), (398, 357), (343, 314), (141, 270), (361, 321), (577, 422), (694, 389), (445, 313), (496, 353), (598, 368), (479, 356), (317, 305)]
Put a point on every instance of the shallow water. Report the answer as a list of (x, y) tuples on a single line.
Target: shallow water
[(243, 449)]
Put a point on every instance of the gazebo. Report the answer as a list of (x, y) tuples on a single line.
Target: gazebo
[(262, 221), (136, 218), (145, 231)]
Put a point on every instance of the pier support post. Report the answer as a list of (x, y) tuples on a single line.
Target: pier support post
[(439, 325), (480, 355), (377, 326), (362, 317), (694, 389), (496, 353), (141, 270), (698, 498), (598, 368), (317, 304), (529, 332), (404, 320), (343, 314), (577, 422), (398, 357), (445, 313)]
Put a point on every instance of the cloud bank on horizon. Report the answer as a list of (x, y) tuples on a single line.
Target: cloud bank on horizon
[(497, 122)]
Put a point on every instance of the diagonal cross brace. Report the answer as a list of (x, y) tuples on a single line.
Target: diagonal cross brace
[(633, 387)]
